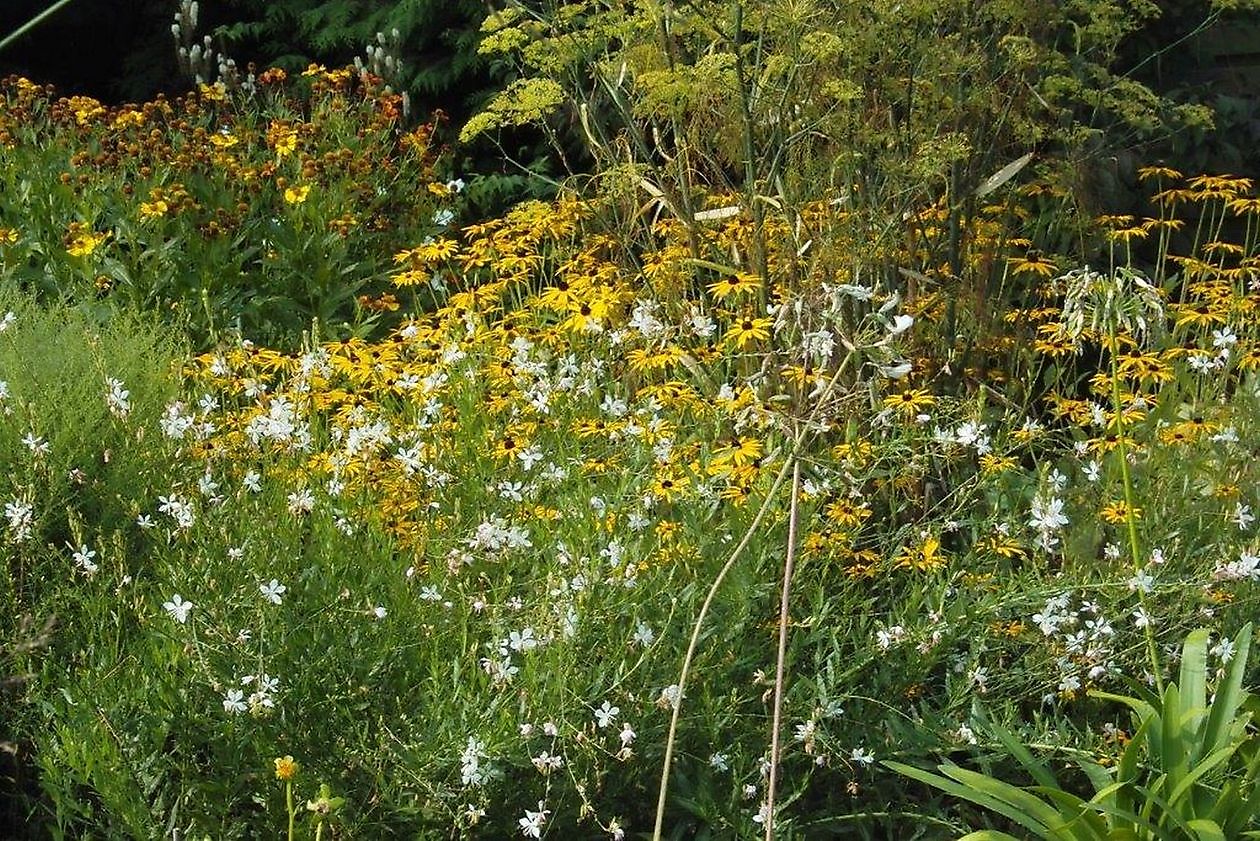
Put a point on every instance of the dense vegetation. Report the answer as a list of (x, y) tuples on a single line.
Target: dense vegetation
[(825, 440)]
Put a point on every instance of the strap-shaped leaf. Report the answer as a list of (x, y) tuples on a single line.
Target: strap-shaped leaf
[(1016, 797), (1205, 830), (988, 835), (1206, 766), (1099, 777), (1038, 769), (986, 801), (1172, 750), (1192, 682), (1077, 814), (1228, 694)]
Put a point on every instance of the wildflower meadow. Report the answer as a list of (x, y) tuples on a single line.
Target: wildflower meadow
[(812, 461)]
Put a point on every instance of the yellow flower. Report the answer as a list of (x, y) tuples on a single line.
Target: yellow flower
[(735, 284), (283, 138), (747, 330), (8, 236), (1034, 264), (296, 195), (286, 767), (926, 557), (668, 486), (1118, 512), (910, 401), (154, 209), (81, 241)]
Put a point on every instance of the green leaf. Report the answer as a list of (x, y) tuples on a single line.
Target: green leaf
[(1079, 817), (1228, 694), (980, 799), (1204, 767), (1172, 755), (1192, 683), (1099, 777), (1039, 771), (1032, 806), (988, 835), (1206, 830)]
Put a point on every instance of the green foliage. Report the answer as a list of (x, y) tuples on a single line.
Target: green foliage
[(227, 212), (437, 41), (1191, 769)]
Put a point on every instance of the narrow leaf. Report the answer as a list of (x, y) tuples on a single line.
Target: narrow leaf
[(1003, 175), (1228, 694)]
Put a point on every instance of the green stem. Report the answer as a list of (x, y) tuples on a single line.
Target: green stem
[(288, 799), (32, 23), (1129, 513)]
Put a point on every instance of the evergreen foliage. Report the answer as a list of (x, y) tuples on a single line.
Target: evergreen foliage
[(438, 40)]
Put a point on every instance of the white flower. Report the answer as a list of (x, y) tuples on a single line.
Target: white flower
[(862, 756), (627, 734), (36, 444), (471, 770), (252, 481), (546, 763), (234, 701), (894, 371), (643, 635), (117, 398), (719, 762), (900, 324), (20, 515), (83, 559), (530, 456), (1243, 517), (531, 825), (523, 640), (178, 608), (301, 502), (1093, 471), (380, 612), (1224, 650), (1142, 582), (550, 730), (272, 591), (606, 714)]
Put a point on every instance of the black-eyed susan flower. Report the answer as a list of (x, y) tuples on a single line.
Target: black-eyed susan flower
[(747, 330), (1119, 512), (925, 557), (912, 401)]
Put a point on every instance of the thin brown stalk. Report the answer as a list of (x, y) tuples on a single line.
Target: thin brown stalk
[(789, 565)]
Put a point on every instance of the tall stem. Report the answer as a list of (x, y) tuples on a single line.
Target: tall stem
[(789, 564), (1130, 516), (32, 23)]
